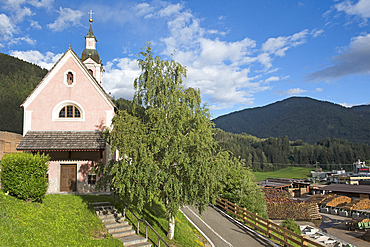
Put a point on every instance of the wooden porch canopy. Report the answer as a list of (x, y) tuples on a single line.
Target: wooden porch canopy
[(62, 141)]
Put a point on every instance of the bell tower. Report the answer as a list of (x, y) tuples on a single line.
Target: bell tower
[(90, 56)]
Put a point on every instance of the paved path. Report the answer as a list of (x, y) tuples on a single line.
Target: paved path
[(222, 231)]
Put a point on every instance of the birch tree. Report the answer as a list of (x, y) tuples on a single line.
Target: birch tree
[(169, 151)]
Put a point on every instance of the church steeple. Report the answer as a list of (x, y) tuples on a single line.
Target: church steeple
[(90, 56)]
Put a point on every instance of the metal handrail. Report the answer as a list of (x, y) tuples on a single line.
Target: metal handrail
[(124, 206)]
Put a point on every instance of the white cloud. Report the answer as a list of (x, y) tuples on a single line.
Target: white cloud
[(7, 29), (66, 18), (143, 9), (20, 14), (42, 3), (272, 78), (293, 91), (18, 40), (46, 61), (316, 32), (170, 10), (119, 77), (360, 9), (319, 89), (353, 60), (278, 46), (35, 25), (347, 105)]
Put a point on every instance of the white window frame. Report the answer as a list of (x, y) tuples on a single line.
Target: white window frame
[(60, 105), (74, 78)]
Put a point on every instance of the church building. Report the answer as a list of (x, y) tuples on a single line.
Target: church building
[(64, 117)]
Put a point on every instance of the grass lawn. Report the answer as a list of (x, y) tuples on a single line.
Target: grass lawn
[(69, 220), (61, 220), (288, 172)]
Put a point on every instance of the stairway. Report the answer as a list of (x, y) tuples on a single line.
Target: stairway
[(117, 226)]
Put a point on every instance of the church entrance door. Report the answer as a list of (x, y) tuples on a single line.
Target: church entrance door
[(68, 177)]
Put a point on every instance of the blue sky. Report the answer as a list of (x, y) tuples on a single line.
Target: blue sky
[(240, 54)]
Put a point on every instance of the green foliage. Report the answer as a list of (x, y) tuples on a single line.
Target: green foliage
[(240, 188), (301, 118), (291, 225), (272, 154), (17, 80), (61, 220), (24, 175), (171, 147)]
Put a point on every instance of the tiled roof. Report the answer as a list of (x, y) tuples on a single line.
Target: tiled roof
[(361, 189), (62, 140)]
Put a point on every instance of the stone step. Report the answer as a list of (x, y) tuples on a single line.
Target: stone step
[(123, 233), (113, 220), (109, 216), (132, 240), (103, 208), (106, 211), (119, 229), (145, 244), (115, 224), (100, 203)]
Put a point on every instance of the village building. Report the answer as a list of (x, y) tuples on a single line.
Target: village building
[(296, 187), (64, 117)]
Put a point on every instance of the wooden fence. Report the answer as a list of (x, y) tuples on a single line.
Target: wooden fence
[(9, 142), (276, 233)]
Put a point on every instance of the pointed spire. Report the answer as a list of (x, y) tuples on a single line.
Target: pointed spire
[(90, 34)]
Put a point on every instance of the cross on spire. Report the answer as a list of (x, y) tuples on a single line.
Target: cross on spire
[(91, 14)]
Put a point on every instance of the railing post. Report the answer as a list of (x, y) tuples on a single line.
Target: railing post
[(114, 198), (244, 215), (304, 242), (146, 230), (138, 226), (159, 242), (256, 220), (226, 204), (269, 228), (285, 239), (235, 212)]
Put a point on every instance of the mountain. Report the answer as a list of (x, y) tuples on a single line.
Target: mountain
[(301, 118), (17, 80)]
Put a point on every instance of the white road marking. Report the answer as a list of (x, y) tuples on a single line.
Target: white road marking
[(218, 235), (204, 235)]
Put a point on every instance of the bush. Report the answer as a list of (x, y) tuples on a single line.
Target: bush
[(239, 188), (291, 225), (24, 175)]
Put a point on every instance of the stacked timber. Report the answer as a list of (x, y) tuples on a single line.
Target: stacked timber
[(358, 204), (318, 198), (297, 211), (336, 201), (280, 206)]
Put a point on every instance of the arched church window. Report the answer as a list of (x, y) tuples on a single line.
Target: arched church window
[(91, 72), (69, 78), (69, 111)]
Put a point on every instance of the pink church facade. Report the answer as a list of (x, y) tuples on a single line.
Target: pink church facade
[(64, 117)]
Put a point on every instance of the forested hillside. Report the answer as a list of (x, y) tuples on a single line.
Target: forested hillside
[(301, 118), (276, 153), (17, 80)]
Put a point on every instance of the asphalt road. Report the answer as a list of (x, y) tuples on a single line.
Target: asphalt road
[(221, 231)]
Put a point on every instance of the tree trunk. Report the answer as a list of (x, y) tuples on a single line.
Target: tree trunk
[(171, 227)]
